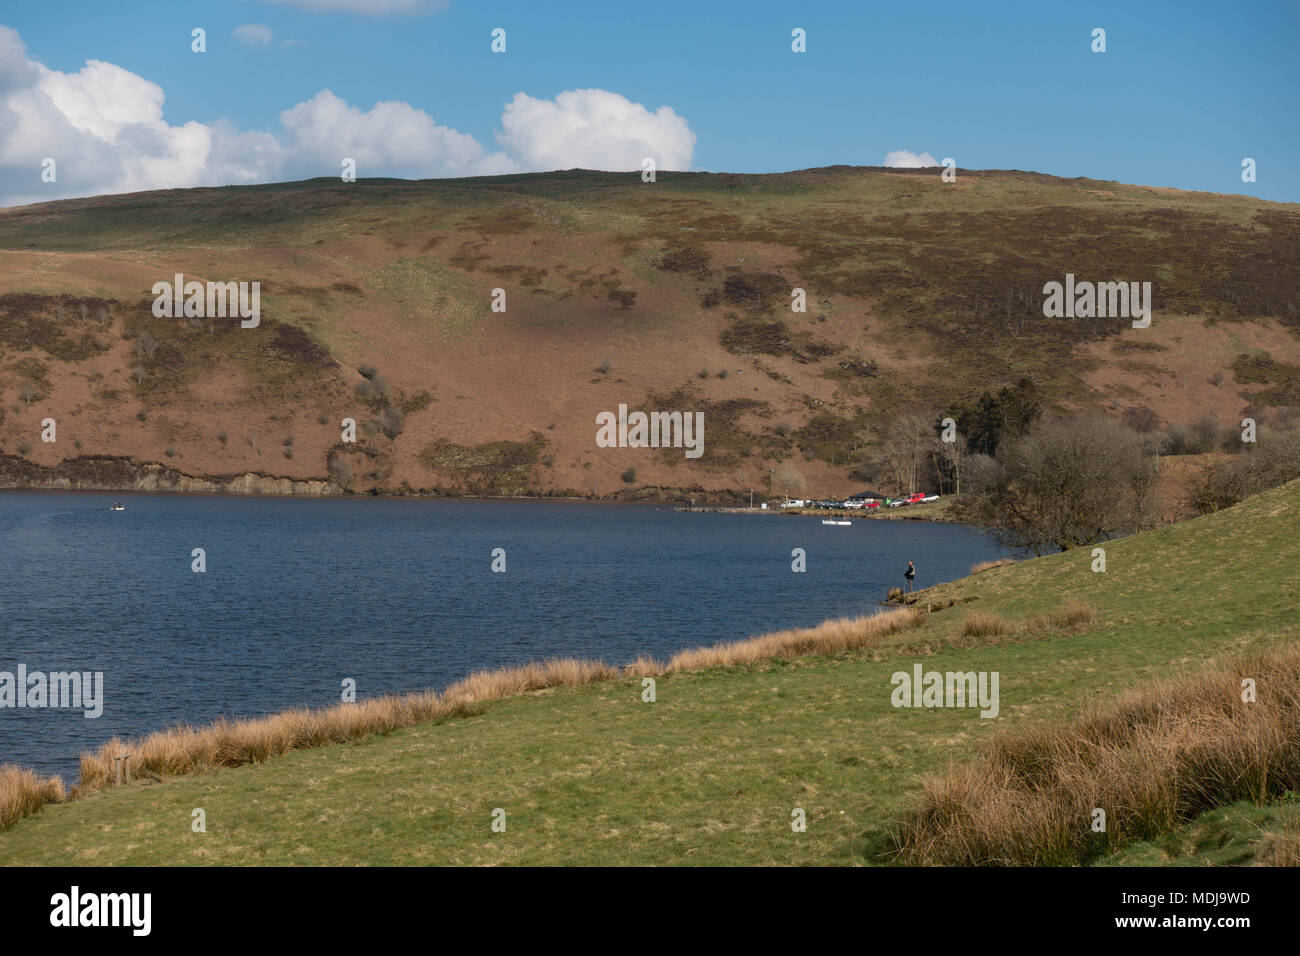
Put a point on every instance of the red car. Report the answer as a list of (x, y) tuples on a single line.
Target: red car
[(916, 498)]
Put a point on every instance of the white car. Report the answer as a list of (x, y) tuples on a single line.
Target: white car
[(930, 498)]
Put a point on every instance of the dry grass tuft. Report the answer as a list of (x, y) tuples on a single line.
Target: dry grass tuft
[(508, 681), (984, 624), (1282, 848), (986, 565), (1074, 617), (1153, 759), (644, 666), (24, 792), (830, 637)]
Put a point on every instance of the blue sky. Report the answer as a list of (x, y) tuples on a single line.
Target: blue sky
[(1183, 93)]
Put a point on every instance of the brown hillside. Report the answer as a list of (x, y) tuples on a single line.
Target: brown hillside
[(918, 293)]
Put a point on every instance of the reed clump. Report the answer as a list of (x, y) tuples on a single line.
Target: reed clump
[(24, 792), (984, 624), (1152, 760), (830, 637)]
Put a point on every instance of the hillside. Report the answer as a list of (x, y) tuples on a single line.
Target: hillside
[(673, 295), (711, 771)]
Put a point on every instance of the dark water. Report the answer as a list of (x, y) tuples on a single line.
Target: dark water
[(396, 594)]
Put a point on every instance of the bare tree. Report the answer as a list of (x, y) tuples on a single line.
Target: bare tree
[(909, 440), (1068, 483), (341, 472), (145, 345), (788, 481)]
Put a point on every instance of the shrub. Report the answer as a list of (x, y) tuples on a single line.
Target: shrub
[(341, 471), (605, 367), (391, 421), (145, 346), (375, 391), (1273, 460), (629, 476)]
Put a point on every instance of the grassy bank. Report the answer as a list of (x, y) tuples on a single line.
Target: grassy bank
[(735, 741)]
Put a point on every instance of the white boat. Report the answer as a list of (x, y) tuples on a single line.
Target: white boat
[(833, 521), (118, 506)]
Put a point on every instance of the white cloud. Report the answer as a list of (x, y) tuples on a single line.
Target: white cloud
[(104, 127), (392, 138), (905, 160), (368, 7), (594, 129), (254, 34)]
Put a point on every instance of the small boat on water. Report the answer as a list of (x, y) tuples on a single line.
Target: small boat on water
[(833, 521), (117, 506)]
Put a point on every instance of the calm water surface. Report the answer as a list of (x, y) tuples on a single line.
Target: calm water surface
[(395, 594)]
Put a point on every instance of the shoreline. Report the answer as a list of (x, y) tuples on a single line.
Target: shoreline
[(116, 474), (222, 743)]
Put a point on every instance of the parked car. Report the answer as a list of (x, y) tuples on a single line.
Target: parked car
[(929, 498), (898, 503), (873, 504), (855, 504), (916, 498), (795, 503)]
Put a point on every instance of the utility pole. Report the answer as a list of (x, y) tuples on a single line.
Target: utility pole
[(751, 499)]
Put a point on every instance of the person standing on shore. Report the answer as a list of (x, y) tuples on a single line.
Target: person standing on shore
[(910, 575)]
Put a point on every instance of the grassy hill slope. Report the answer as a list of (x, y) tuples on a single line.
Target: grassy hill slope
[(711, 772), (671, 295)]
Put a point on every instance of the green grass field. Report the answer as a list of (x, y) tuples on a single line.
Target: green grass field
[(711, 771)]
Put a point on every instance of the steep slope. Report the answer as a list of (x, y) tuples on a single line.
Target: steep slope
[(672, 295)]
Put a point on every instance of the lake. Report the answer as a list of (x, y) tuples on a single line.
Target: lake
[(396, 594)]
